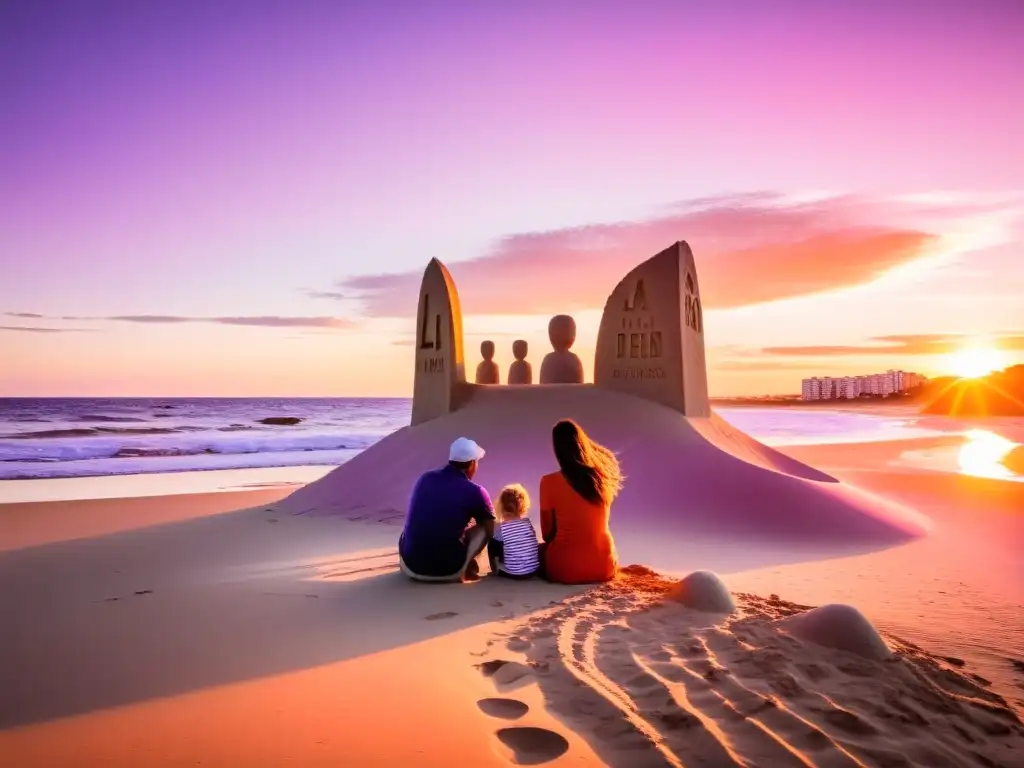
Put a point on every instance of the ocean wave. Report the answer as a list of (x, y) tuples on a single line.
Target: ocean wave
[(174, 443), (27, 470), (102, 418), (52, 434)]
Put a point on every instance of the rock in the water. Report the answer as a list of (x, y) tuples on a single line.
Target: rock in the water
[(281, 421), (703, 591), (838, 626)]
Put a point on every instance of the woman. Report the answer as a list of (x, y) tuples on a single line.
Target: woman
[(575, 503)]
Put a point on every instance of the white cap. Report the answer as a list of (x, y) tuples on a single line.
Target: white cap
[(465, 450)]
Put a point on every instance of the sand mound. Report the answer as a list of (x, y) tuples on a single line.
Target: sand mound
[(692, 478), (838, 626), (703, 591)]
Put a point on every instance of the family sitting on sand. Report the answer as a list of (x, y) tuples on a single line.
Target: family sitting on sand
[(451, 519)]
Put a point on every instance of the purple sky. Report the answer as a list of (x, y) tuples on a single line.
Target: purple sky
[(222, 160)]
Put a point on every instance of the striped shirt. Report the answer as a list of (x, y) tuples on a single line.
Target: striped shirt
[(519, 546)]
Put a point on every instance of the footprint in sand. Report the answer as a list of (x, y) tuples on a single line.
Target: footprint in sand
[(533, 746), (505, 709), (442, 615), (490, 667), (518, 644), (505, 672)]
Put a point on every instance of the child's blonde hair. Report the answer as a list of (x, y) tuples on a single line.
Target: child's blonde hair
[(514, 502)]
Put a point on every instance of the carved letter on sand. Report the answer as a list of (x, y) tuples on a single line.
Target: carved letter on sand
[(651, 340), (439, 355)]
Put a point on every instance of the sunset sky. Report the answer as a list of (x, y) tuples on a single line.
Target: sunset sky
[(239, 198)]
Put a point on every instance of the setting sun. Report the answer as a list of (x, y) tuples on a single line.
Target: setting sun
[(975, 362)]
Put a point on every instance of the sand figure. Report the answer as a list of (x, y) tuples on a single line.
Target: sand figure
[(561, 366), (487, 372), (520, 372)]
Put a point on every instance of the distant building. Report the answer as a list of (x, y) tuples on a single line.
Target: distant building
[(849, 387)]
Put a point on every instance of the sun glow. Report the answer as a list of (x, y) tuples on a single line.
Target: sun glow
[(983, 453), (975, 362)]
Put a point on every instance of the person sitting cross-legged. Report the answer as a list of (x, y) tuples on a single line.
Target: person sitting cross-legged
[(513, 552), (439, 541)]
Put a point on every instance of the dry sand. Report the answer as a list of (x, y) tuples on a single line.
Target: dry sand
[(170, 631)]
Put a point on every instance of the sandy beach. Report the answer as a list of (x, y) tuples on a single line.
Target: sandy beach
[(175, 630)]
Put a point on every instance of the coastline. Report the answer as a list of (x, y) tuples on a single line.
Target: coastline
[(885, 405), (152, 484)]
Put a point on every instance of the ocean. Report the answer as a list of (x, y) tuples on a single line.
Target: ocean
[(47, 438)]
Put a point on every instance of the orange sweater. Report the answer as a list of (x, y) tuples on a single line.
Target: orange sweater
[(582, 550)]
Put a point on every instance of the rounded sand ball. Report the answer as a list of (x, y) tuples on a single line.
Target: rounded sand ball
[(487, 350), (520, 349), (703, 591), (838, 626)]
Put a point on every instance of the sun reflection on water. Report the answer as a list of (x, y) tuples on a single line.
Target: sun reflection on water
[(983, 453)]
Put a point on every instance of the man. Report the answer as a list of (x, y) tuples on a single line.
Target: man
[(437, 543)]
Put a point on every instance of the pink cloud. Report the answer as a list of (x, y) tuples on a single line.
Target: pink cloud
[(750, 249)]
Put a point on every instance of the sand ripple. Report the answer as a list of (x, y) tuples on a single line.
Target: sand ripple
[(648, 682)]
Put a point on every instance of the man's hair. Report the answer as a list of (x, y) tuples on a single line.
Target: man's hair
[(514, 501), (463, 465)]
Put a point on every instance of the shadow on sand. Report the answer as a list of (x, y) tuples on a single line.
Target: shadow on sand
[(161, 611), (125, 618)]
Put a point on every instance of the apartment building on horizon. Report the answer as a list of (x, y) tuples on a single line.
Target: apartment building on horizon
[(849, 387)]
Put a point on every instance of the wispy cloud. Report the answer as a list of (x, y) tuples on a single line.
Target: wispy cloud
[(759, 365), (29, 315), (27, 329), (154, 319), (908, 344), (750, 249), (273, 321), (261, 321), (329, 295)]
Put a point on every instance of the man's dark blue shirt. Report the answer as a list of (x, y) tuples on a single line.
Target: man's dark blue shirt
[(443, 502)]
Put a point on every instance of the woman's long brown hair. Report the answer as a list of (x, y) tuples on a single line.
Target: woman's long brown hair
[(591, 469)]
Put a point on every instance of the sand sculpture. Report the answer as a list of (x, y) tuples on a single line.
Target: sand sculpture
[(487, 372), (520, 372), (688, 472), (651, 339), (560, 366)]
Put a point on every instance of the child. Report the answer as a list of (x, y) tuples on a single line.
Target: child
[(513, 551)]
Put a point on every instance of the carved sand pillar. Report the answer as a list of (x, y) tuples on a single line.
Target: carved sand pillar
[(651, 340), (439, 355)]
